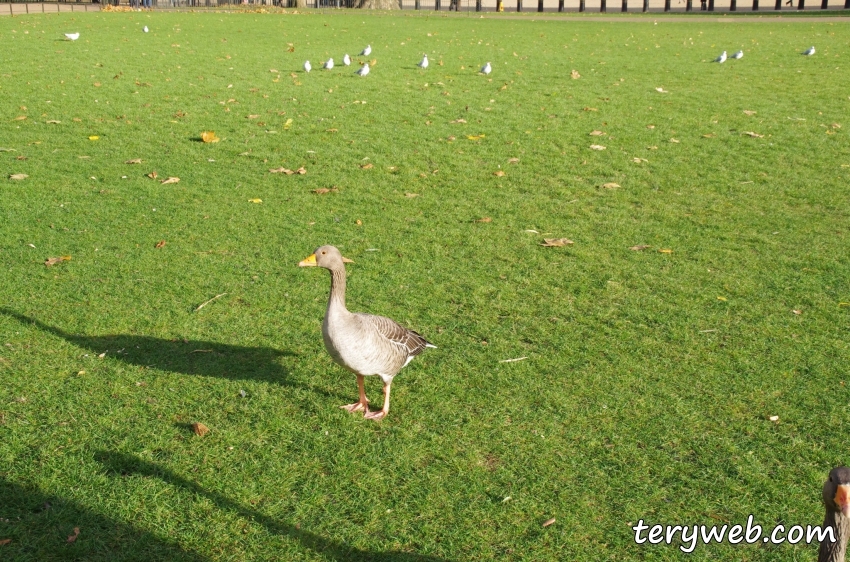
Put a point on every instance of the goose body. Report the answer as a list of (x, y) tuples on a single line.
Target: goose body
[(72, 36), (307, 67), (738, 55), (365, 344), (346, 60), (363, 70), (722, 58), (487, 69), (329, 64), (836, 500), (367, 51), (810, 51), (424, 63)]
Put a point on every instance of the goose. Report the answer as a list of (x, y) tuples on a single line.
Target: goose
[(367, 51), (329, 64), (722, 58), (809, 52), (738, 55), (487, 69), (75, 36), (424, 63), (364, 344), (307, 67), (346, 60), (836, 499), (363, 71)]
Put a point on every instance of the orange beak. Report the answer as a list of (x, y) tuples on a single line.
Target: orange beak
[(842, 499), (309, 261)]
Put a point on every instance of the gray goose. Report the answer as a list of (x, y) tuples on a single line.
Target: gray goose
[(364, 344), (836, 499)]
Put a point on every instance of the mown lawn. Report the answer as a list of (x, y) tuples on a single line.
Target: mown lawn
[(651, 375)]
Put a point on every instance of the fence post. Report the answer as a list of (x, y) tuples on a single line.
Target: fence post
[(666, 5)]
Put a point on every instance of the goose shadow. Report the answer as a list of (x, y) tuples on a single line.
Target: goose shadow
[(128, 466), (188, 357)]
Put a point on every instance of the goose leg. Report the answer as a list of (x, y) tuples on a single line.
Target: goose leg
[(382, 413), (363, 404)]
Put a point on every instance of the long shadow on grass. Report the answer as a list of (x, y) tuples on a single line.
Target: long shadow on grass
[(210, 359), (39, 525), (124, 465)]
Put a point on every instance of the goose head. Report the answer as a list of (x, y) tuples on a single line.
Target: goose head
[(836, 491), (328, 257)]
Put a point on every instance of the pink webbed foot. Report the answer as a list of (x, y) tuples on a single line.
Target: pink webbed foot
[(379, 415), (356, 407)]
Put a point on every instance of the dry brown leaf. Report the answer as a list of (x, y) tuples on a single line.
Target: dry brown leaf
[(4, 542), (302, 170), (323, 190), (53, 122), (53, 261), (171, 179), (652, 148), (596, 133), (251, 116), (709, 135), (513, 160), (752, 134), (160, 244), (200, 429), (597, 147), (97, 84), (661, 90), (548, 522), (20, 118), (499, 173), (281, 170), (575, 75), (475, 137), (590, 109), (484, 219), (153, 175), (18, 176), (556, 242), (367, 166), (72, 538), (798, 312), (411, 195), (610, 185), (650, 126), (209, 136), (21, 158), (665, 251), (640, 247), (748, 112), (134, 161), (331, 130), (674, 141)]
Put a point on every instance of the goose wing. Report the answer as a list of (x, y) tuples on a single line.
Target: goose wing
[(407, 342)]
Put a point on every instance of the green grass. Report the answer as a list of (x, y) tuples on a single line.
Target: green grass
[(644, 395)]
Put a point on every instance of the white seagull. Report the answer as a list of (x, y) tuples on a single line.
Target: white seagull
[(367, 51), (346, 60), (487, 69), (307, 67), (364, 70), (424, 63), (329, 65), (808, 52), (75, 36), (738, 55), (722, 58)]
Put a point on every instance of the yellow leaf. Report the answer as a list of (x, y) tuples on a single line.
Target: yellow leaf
[(209, 136), (556, 242), (475, 137), (18, 176), (499, 173), (170, 180), (255, 200), (597, 147), (94, 137), (610, 185), (575, 75), (666, 251), (721, 299), (287, 124)]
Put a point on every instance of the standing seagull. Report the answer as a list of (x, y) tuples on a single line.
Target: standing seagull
[(75, 36), (329, 65), (367, 51), (145, 29), (346, 60), (808, 52), (363, 71), (738, 55), (307, 67), (424, 63), (487, 69), (364, 344), (722, 58)]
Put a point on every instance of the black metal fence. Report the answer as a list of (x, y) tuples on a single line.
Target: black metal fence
[(23, 6)]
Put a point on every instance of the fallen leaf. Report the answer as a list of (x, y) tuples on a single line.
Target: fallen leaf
[(709, 135), (650, 126), (665, 251), (134, 161), (639, 160), (575, 75), (255, 200), (610, 185), (287, 125), (597, 147), (548, 522), (596, 133), (458, 121), (18, 176), (499, 173), (153, 175), (302, 170), (53, 122), (475, 137), (513, 160), (160, 244), (209, 136), (53, 261), (833, 125), (281, 170), (798, 312), (94, 137), (752, 134), (674, 141), (774, 418), (556, 242), (367, 166), (251, 116), (331, 130), (200, 429), (171, 179), (359, 223), (661, 90), (484, 219), (721, 299), (748, 112), (4, 542), (323, 190), (652, 148), (640, 247), (7, 150), (72, 538), (20, 118), (590, 109), (411, 195), (97, 84)]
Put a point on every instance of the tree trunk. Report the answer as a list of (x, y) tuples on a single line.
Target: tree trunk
[(379, 4)]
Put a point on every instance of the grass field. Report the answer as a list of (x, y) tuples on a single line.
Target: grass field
[(651, 376)]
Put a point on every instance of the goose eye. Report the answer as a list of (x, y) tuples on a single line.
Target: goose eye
[(323, 253)]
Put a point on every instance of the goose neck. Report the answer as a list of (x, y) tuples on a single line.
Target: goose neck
[(840, 525)]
